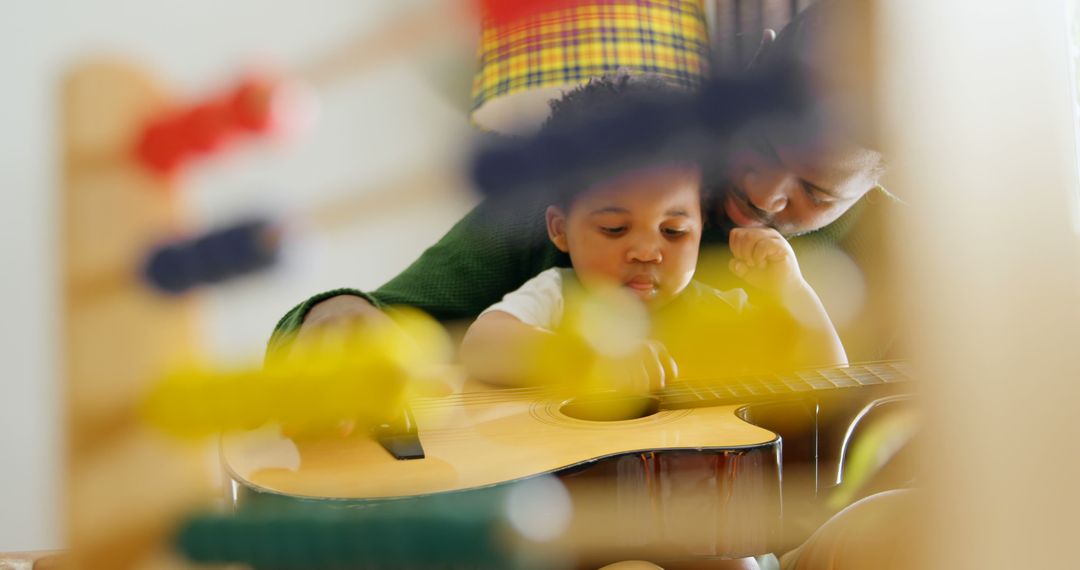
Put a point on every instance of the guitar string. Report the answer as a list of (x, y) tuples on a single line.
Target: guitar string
[(891, 374), (774, 381), (469, 433), (775, 385)]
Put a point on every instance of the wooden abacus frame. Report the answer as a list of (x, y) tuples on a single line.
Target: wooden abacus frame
[(125, 485)]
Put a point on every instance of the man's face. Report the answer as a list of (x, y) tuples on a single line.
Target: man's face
[(640, 231), (784, 181)]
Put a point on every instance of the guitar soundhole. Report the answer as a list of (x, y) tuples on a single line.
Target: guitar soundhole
[(610, 407)]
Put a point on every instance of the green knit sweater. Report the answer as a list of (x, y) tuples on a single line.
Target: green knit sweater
[(497, 247)]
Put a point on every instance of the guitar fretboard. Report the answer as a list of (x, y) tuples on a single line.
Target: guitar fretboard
[(692, 393)]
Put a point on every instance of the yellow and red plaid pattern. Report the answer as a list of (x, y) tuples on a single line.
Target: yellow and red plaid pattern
[(562, 47)]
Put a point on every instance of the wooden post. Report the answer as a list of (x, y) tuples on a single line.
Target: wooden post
[(125, 484)]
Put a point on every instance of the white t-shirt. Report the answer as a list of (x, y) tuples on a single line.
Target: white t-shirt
[(539, 301)]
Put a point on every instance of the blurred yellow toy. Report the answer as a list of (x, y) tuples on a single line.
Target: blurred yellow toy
[(362, 375)]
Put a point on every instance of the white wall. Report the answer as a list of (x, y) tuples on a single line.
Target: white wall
[(374, 128)]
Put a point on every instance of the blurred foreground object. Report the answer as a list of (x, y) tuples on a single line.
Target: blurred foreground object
[(697, 125), (433, 533), (362, 375), (982, 140), (537, 523)]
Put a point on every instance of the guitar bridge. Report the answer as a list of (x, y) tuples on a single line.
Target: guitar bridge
[(400, 437)]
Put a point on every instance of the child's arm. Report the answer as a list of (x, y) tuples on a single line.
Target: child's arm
[(498, 349), (510, 344), (502, 344), (766, 261)]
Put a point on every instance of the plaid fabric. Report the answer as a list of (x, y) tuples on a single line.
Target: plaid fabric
[(666, 37)]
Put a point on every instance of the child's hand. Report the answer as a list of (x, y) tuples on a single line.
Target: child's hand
[(648, 369), (764, 259)]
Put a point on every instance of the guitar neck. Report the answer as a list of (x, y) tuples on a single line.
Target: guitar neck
[(700, 392)]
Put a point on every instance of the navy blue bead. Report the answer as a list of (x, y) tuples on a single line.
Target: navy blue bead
[(171, 269), (237, 250)]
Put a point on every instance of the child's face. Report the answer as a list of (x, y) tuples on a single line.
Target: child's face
[(640, 230)]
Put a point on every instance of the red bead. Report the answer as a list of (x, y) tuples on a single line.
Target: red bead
[(162, 147), (252, 106), (170, 141), (207, 127)]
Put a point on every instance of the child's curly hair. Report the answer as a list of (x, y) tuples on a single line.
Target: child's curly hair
[(611, 91)]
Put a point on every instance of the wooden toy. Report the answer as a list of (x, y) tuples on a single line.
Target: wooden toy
[(115, 344)]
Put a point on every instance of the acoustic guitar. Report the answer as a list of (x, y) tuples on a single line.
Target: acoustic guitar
[(682, 472)]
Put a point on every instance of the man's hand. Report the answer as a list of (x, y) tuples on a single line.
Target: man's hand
[(337, 314), (765, 260), (348, 336)]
